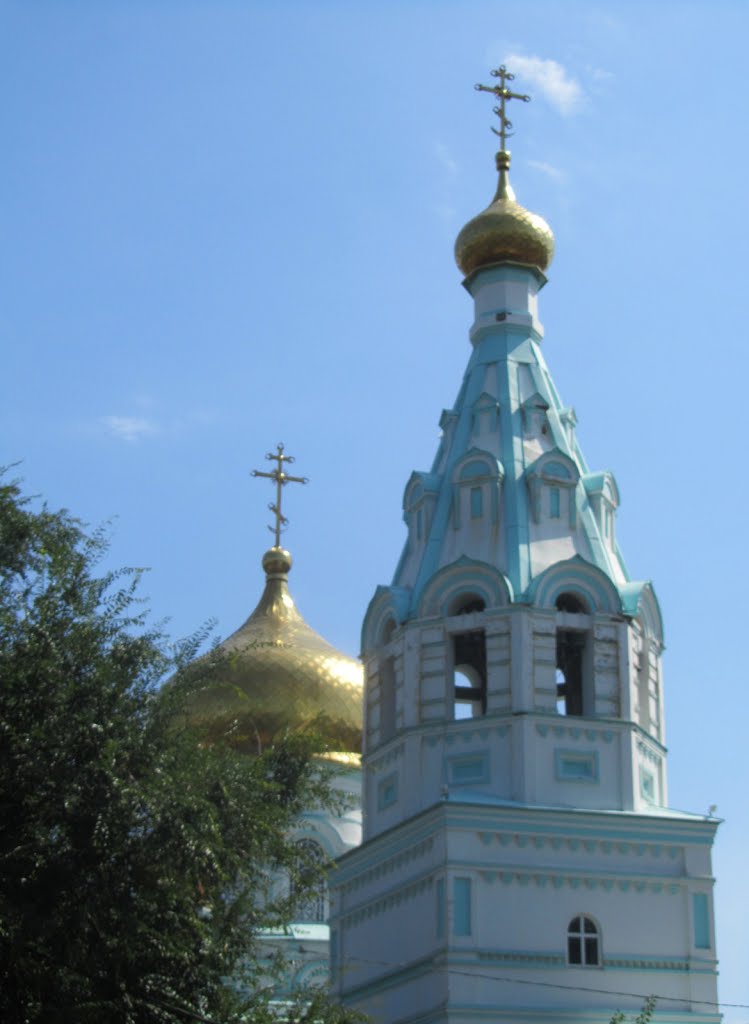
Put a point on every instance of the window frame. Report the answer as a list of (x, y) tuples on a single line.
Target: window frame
[(584, 936)]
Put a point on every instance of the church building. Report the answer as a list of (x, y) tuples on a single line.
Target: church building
[(520, 860), (275, 676)]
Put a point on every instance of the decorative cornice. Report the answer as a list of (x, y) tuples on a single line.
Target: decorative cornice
[(392, 899), (386, 867), (648, 753), (575, 845), (646, 965), (565, 880), (393, 754), (522, 957), (575, 732), (551, 959)]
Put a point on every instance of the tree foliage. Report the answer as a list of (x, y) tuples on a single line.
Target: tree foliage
[(134, 859)]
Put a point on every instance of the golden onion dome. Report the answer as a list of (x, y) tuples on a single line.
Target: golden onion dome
[(505, 232), (276, 675)]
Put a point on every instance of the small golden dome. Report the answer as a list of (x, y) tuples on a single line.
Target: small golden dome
[(505, 232), (276, 675)]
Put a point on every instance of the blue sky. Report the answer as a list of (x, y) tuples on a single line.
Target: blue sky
[(228, 223)]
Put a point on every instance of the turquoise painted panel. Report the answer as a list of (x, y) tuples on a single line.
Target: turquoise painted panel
[(477, 503), (474, 469), (461, 906), (440, 907), (647, 785), (464, 769), (555, 503), (576, 766), (701, 918)]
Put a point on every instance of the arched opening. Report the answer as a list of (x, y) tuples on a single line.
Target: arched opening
[(464, 604), (307, 886), (569, 602), (583, 942), (569, 671), (469, 680)]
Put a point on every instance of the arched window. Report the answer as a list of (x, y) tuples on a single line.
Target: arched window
[(583, 942), (464, 604), (569, 671), (469, 660), (307, 886), (569, 602)]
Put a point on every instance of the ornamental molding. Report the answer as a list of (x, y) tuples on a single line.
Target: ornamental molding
[(646, 965), (465, 736), (382, 762), (559, 959), (386, 867), (393, 899), (509, 957), (648, 753), (570, 843), (575, 732), (559, 880)]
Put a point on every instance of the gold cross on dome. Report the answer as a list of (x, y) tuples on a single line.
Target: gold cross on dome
[(281, 478), (504, 94)]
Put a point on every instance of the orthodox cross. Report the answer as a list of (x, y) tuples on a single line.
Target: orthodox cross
[(281, 479), (504, 94)]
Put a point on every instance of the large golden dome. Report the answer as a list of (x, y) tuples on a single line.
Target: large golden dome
[(505, 232), (276, 675)]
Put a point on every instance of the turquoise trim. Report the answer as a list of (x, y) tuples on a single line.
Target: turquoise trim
[(575, 574), (467, 769), (505, 271), (639, 599), (461, 907), (647, 785), (517, 531), (701, 920), (464, 576), (576, 766), (602, 483), (626, 827)]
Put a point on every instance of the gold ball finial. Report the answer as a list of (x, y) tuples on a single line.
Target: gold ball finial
[(277, 561)]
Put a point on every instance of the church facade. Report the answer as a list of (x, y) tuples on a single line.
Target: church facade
[(520, 858)]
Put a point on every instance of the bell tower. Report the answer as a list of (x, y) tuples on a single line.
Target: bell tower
[(519, 853)]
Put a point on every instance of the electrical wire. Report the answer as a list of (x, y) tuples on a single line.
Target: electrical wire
[(557, 985)]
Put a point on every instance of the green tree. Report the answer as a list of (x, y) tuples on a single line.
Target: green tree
[(645, 1015), (134, 859)]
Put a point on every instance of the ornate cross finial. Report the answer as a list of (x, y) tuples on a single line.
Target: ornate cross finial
[(281, 478), (504, 94)]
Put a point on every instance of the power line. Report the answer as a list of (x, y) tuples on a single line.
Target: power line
[(557, 985)]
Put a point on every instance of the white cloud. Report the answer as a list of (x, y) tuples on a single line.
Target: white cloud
[(601, 74), (549, 170), (445, 160), (129, 428), (561, 90)]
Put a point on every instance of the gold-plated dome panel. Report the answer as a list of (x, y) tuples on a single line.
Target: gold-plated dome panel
[(276, 675), (505, 232)]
